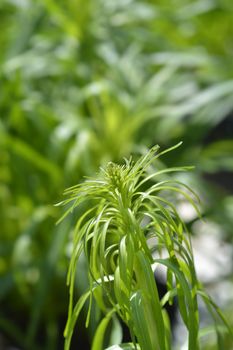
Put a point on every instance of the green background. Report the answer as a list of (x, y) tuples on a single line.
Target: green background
[(86, 82)]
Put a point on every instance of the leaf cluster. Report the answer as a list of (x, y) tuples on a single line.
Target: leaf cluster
[(127, 212)]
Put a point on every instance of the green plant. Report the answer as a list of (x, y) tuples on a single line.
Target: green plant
[(71, 79), (130, 226)]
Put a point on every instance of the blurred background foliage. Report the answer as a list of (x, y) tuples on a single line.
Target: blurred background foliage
[(86, 82)]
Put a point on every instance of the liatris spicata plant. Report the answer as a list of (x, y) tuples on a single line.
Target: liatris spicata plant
[(130, 228)]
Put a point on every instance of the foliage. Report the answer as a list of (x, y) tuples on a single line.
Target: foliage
[(85, 83), (125, 212)]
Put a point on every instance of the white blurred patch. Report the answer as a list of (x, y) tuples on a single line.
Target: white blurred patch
[(186, 211), (212, 256)]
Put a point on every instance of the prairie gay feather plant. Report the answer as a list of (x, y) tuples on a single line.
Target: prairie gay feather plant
[(131, 227)]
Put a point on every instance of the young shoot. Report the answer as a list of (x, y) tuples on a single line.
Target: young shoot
[(127, 206)]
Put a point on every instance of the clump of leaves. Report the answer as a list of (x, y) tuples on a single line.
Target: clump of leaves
[(128, 207)]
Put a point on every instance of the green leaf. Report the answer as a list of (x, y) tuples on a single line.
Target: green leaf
[(73, 319), (187, 302), (150, 301), (98, 341), (140, 321)]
